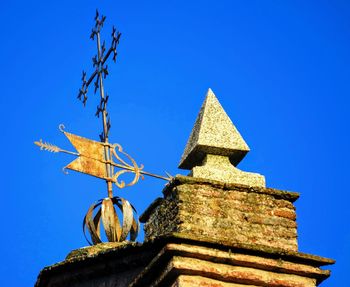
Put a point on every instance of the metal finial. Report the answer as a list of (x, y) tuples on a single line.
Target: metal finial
[(102, 159)]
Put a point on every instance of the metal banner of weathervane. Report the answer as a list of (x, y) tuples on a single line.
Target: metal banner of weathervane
[(101, 159)]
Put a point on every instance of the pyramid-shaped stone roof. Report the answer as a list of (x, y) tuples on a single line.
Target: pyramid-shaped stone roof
[(213, 133)]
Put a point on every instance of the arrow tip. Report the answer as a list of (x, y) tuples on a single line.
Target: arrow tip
[(39, 143)]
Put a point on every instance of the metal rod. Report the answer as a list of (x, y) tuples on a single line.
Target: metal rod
[(69, 152), (155, 175), (141, 171), (91, 78), (107, 55), (104, 117)]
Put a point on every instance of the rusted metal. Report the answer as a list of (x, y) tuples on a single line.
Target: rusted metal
[(106, 212), (92, 160), (100, 159), (108, 219)]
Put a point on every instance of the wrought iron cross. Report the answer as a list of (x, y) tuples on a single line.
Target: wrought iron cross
[(99, 159), (100, 73)]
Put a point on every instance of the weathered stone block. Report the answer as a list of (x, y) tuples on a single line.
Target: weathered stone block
[(224, 213), (189, 265)]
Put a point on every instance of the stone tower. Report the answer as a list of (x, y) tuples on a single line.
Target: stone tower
[(218, 227)]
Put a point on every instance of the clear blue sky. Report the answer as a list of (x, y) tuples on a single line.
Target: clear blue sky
[(280, 69)]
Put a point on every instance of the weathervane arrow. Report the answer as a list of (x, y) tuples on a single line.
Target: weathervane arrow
[(92, 159)]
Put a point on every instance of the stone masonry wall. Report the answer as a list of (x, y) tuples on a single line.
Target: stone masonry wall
[(226, 214)]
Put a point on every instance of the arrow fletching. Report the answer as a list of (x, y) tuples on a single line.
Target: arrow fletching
[(47, 146)]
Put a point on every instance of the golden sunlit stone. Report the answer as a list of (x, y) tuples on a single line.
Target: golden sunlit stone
[(215, 147)]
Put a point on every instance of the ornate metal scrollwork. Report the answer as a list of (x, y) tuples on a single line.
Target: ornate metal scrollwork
[(134, 168)]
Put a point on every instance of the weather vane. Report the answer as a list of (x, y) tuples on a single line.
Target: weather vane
[(103, 159)]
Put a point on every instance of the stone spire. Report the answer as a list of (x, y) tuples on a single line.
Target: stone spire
[(215, 147)]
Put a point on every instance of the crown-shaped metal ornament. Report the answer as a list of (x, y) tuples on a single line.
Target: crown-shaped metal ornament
[(103, 159)]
